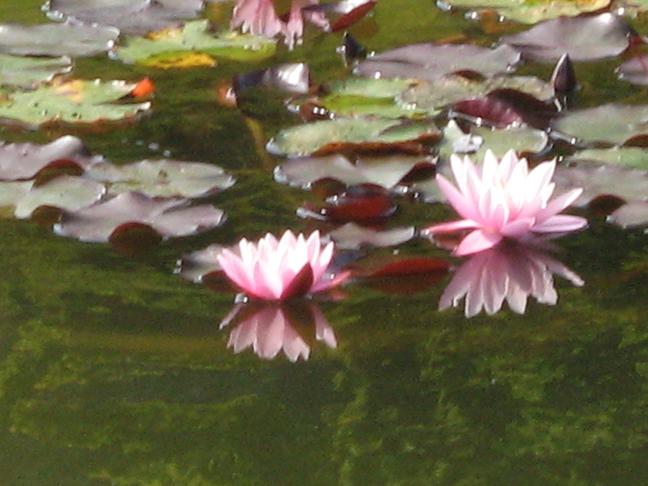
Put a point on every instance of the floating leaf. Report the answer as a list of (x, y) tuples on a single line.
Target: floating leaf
[(71, 102), (631, 215), (356, 134), (64, 192), (432, 61), (198, 265), (633, 157), (604, 180), (610, 123), (582, 38), (29, 72), (531, 11), (168, 217), (291, 78), (67, 39), (352, 236), (129, 16), (26, 160), (195, 37), (381, 171), (358, 203), (162, 178), (505, 107), (345, 13), (635, 70)]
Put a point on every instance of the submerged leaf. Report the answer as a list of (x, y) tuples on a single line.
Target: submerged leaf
[(354, 134), (168, 217), (195, 37), (129, 16), (162, 178), (582, 38), (358, 203), (631, 215), (26, 160), (71, 102), (67, 39)]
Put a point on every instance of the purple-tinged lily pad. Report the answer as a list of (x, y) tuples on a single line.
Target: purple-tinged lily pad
[(29, 72), (200, 264), (129, 16), (631, 215), (432, 61), (582, 38), (67, 39), (386, 172), (291, 78), (506, 107), (366, 204), (361, 135), (530, 11), (64, 192), (26, 160), (610, 123), (601, 180), (342, 14), (635, 70), (162, 178), (352, 236), (168, 217)]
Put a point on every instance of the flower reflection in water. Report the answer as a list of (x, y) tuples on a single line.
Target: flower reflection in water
[(510, 272), (270, 328)]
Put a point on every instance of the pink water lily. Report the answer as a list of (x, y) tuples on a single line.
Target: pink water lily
[(505, 200), (272, 269), (259, 17)]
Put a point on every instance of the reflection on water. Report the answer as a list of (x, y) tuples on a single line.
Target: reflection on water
[(510, 272), (271, 327)]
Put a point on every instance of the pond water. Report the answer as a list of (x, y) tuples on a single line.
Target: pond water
[(114, 370)]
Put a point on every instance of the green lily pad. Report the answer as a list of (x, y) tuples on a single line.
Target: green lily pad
[(531, 11), (195, 37), (356, 134), (28, 72), (610, 123), (162, 178), (523, 139), (71, 102), (64, 192), (635, 157)]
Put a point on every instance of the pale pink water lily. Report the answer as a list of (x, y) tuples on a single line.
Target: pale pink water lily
[(259, 17), (272, 269), (505, 200), (272, 328), (510, 273)]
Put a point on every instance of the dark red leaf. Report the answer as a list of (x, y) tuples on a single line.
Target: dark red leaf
[(300, 285), (353, 16), (359, 203)]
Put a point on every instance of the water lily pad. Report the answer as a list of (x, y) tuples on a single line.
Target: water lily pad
[(635, 70), (602, 180), (28, 72), (67, 39), (631, 215), (633, 157), (610, 123), (352, 236), (344, 13), (197, 265), (531, 11), (26, 160), (583, 38), (162, 178), (364, 203), (71, 102), (432, 61), (195, 37), (129, 16), (64, 192), (386, 172), (359, 134), (168, 217)]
